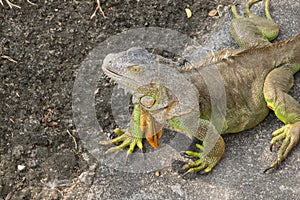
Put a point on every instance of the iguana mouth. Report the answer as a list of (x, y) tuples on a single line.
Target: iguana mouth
[(119, 78), (111, 72)]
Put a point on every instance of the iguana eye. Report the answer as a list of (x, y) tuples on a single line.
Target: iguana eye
[(147, 101), (135, 68)]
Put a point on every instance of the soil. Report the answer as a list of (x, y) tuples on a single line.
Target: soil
[(49, 41), (41, 155)]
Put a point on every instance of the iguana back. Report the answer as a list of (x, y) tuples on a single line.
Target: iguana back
[(243, 73)]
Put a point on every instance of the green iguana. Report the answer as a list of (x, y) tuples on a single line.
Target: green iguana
[(255, 78)]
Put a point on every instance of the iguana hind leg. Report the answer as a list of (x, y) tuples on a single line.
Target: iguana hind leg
[(253, 30), (213, 146), (208, 157), (286, 108)]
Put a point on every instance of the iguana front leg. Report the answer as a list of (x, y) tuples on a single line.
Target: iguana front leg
[(141, 122), (286, 108), (132, 136), (213, 146)]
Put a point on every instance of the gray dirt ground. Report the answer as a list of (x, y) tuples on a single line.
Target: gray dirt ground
[(49, 42)]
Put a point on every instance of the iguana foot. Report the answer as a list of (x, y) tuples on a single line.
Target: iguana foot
[(126, 138), (253, 30), (205, 162), (288, 135)]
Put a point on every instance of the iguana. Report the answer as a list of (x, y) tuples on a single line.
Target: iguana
[(255, 79)]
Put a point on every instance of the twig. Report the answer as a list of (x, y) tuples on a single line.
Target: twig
[(74, 139), (34, 4), (98, 7), (8, 196), (10, 4), (9, 58)]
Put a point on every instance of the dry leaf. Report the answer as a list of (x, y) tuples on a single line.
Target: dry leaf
[(213, 12), (188, 13)]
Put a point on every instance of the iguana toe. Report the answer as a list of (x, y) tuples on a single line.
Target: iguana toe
[(205, 162), (127, 141), (288, 136)]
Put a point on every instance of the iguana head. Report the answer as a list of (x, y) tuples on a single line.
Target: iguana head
[(132, 68), (154, 77)]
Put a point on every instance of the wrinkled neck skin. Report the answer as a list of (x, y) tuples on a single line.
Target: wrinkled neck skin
[(181, 89), (180, 97), (179, 101)]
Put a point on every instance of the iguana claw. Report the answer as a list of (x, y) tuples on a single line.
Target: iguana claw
[(205, 162), (126, 139), (288, 135)]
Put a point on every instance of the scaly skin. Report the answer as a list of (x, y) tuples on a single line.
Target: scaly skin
[(131, 137), (255, 78)]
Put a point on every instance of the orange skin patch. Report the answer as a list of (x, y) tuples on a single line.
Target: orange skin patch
[(270, 107), (151, 129)]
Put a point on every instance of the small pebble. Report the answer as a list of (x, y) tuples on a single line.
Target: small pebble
[(21, 167), (157, 173)]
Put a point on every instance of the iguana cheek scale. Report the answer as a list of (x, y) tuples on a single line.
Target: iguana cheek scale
[(256, 78)]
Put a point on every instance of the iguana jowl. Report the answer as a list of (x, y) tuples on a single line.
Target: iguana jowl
[(255, 78)]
